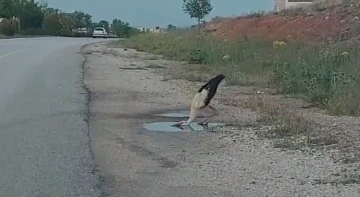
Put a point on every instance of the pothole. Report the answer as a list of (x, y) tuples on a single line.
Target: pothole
[(181, 115)]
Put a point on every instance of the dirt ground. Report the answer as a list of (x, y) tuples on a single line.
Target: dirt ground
[(129, 88)]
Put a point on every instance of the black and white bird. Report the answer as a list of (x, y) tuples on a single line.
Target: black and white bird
[(202, 100)]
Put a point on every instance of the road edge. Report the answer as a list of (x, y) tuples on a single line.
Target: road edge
[(100, 184)]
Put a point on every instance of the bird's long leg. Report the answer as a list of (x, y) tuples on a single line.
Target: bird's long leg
[(215, 112), (205, 122), (202, 122)]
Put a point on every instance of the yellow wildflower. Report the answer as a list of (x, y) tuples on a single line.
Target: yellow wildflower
[(344, 53), (278, 44)]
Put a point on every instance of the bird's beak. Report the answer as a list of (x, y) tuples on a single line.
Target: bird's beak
[(177, 124)]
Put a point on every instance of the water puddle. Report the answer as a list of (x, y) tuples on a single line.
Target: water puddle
[(167, 127)]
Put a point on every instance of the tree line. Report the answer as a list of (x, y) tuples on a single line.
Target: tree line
[(28, 17)]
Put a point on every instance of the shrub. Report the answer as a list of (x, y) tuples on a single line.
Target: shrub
[(32, 31), (8, 27), (58, 25), (198, 56)]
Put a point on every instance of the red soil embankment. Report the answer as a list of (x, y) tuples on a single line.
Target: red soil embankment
[(325, 26)]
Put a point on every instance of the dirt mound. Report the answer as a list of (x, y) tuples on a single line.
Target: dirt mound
[(339, 23)]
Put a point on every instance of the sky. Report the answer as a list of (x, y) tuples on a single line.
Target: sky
[(150, 13)]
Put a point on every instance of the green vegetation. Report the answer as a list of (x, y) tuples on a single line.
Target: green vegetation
[(28, 17), (105, 24), (122, 29), (326, 75), (57, 25)]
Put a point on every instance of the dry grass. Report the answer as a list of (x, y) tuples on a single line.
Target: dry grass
[(288, 128)]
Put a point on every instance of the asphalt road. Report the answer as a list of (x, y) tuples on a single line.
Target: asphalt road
[(44, 141)]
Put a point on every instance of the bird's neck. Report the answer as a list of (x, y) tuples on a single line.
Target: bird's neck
[(193, 114)]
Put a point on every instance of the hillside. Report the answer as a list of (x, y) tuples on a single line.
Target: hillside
[(322, 21)]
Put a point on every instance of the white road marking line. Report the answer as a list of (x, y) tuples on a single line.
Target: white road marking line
[(12, 53), (11, 39)]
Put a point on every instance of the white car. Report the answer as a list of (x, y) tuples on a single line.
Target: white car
[(99, 32)]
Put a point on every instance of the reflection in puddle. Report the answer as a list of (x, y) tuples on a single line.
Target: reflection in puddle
[(167, 127)]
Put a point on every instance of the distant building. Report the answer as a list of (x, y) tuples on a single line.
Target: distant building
[(143, 29), (170, 27), (81, 30), (286, 4), (12, 18), (156, 29)]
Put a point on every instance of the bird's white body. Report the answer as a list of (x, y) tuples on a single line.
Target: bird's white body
[(196, 104), (198, 100)]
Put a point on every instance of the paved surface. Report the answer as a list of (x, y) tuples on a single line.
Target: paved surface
[(44, 139)]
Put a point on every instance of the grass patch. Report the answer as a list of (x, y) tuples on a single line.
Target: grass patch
[(325, 75)]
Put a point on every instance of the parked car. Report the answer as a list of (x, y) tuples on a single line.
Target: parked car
[(99, 32)]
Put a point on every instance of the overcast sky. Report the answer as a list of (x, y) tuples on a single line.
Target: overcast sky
[(151, 13)]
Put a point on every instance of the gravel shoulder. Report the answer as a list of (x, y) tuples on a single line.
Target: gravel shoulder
[(128, 88)]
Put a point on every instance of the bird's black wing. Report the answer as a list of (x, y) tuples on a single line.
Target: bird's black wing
[(206, 86), (211, 87)]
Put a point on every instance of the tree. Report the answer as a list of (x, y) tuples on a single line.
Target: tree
[(122, 29), (32, 15), (93, 25), (104, 24), (88, 20), (58, 24), (6, 8), (48, 11), (197, 9), (81, 19)]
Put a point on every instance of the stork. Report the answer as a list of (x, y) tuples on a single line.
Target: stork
[(202, 100)]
